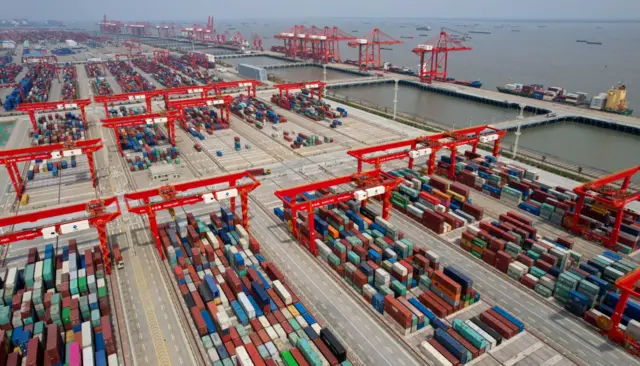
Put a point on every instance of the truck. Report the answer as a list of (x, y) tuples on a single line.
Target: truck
[(259, 171), (117, 256), (197, 147)]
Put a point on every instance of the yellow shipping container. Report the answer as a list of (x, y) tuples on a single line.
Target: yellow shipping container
[(25, 200)]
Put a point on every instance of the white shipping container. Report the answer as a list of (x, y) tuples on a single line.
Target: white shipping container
[(242, 233), (433, 355), (282, 292), (222, 318), (491, 342), (37, 274), (272, 333), (317, 328), (112, 360), (87, 335), (246, 305), (263, 321), (87, 356), (242, 357)]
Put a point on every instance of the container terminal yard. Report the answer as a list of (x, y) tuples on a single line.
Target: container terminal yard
[(355, 239)]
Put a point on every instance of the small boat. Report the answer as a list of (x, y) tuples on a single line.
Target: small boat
[(407, 37), (386, 48), (423, 35), (354, 31), (582, 40), (423, 28), (595, 43), (480, 31)]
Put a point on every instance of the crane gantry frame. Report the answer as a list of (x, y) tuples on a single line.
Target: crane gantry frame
[(429, 146), (435, 67), (370, 184), (11, 158), (142, 119), (57, 106), (98, 217), (171, 198)]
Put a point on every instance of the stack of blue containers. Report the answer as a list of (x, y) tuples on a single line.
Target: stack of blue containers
[(13, 99)]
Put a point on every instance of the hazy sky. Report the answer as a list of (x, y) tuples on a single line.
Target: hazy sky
[(92, 10)]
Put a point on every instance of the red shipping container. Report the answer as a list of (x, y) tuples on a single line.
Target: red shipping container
[(432, 304), (298, 357), (489, 257), (503, 320), (254, 355), (199, 321), (324, 350), (527, 281), (527, 261), (443, 351), (398, 312), (496, 325)]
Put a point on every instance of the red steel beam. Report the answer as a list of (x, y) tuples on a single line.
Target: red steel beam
[(142, 119), (137, 97), (465, 136), (311, 85), (171, 199), (221, 101), (627, 287), (98, 216), (613, 199), (365, 179), (11, 158), (57, 106)]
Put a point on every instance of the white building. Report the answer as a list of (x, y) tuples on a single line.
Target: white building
[(163, 173)]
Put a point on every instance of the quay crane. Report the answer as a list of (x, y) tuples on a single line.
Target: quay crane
[(369, 48), (435, 66)]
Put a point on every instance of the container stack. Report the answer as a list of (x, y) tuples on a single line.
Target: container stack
[(520, 187), (123, 111), (101, 86), (42, 77), (69, 82), (400, 281), (170, 78), (434, 202), (314, 109), (237, 144), (128, 78), (140, 138), (94, 70), (54, 167), (9, 72), (182, 65), (253, 110), (304, 140), (56, 128), (64, 293), (145, 65), (12, 100), (202, 119), (151, 156), (466, 341), (240, 302)]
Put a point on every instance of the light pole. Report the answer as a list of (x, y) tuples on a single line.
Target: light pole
[(515, 144), (395, 99)]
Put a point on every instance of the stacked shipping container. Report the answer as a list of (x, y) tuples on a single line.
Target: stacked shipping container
[(63, 293), (128, 78), (398, 280), (204, 119), (42, 75), (521, 187), (434, 202), (9, 72), (244, 311), (317, 110), (69, 82)]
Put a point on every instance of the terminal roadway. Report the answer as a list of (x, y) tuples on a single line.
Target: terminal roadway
[(367, 339)]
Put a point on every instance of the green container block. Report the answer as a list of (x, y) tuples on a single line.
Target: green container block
[(66, 316), (479, 243), (95, 317), (537, 272), (333, 259), (82, 285), (353, 258), (398, 288), (294, 324), (341, 248), (207, 342), (293, 337), (543, 291), (409, 245), (533, 255), (73, 287), (476, 254)]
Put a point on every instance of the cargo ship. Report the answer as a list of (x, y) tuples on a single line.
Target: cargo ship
[(423, 35), (582, 40), (407, 37), (614, 101), (473, 84), (480, 31), (595, 43), (423, 28)]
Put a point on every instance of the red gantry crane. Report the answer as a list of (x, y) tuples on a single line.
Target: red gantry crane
[(369, 48), (607, 198), (136, 97), (142, 119), (58, 106), (437, 51), (110, 26), (222, 102), (135, 47), (611, 327), (162, 56), (256, 42), (322, 45), (309, 85), (11, 158), (429, 146), (170, 197), (98, 216), (370, 184)]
